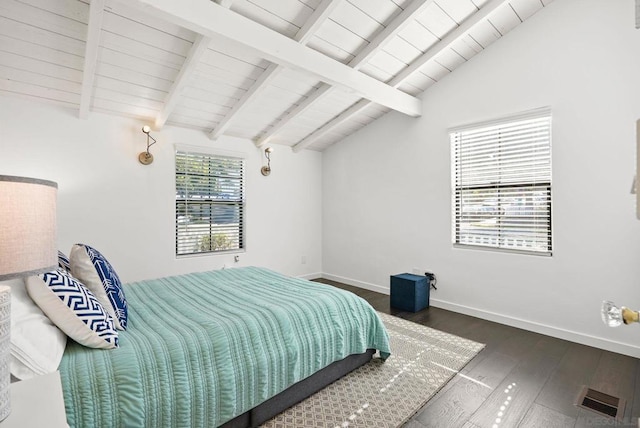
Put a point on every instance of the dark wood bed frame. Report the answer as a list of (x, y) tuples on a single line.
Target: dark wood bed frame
[(299, 391)]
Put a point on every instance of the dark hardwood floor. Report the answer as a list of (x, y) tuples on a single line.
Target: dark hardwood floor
[(542, 375)]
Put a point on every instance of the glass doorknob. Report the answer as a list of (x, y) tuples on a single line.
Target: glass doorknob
[(613, 315)]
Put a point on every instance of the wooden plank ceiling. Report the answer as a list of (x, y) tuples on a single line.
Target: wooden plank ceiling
[(302, 73)]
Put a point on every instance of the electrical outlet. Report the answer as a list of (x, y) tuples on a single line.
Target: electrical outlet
[(236, 258), (303, 260)]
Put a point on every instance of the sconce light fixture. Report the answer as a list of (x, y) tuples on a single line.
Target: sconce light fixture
[(614, 316), (266, 170), (146, 158)]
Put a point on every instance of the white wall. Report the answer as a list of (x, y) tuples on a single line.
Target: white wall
[(386, 191), (107, 199)]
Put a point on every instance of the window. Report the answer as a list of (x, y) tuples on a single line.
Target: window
[(209, 203), (501, 183)]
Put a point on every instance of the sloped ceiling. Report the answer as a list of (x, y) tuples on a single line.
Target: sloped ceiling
[(302, 73)]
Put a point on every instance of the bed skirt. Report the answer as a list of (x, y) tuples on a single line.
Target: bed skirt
[(299, 391)]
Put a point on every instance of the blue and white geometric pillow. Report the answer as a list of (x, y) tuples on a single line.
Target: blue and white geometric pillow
[(63, 261), (73, 308), (93, 269)]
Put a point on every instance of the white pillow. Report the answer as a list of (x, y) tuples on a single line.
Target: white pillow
[(73, 308), (36, 344)]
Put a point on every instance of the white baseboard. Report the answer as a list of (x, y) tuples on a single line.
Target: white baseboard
[(572, 336), (355, 283), (311, 276)]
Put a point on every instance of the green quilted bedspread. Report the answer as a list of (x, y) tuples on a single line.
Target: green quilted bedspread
[(205, 347)]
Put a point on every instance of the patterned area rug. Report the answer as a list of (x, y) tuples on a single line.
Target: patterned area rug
[(386, 394)]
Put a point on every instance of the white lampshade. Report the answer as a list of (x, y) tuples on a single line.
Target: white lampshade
[(5, 351), (27, 226), (27, 246)]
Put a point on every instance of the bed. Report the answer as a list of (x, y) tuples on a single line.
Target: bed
[(227, 347)]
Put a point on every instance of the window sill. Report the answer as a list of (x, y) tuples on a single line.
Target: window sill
[(501, 250), (211, 254)]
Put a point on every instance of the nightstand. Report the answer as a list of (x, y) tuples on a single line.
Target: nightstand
[(37, 402)]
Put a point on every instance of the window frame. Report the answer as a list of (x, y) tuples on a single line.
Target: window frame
[(545, 185), (239, 202)]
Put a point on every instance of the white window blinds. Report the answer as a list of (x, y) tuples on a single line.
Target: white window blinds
[(209, 203), (501, 176)]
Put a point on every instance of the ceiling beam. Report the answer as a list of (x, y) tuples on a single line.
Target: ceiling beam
[(212, 20), (435, 50), (245, 100), (94, 26), (333, 123), (198, 49), (303, 35), (300, 108), (464, 28), (404, 18), (317, 18), (410, 13), (200, 46)]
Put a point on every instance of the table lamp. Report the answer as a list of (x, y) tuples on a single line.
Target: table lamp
[(28, 246)]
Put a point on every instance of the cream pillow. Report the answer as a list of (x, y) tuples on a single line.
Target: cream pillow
[(36, 344), (73, 308)]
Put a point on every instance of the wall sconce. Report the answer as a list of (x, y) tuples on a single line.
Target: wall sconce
[(266, 170), (146, 158)]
